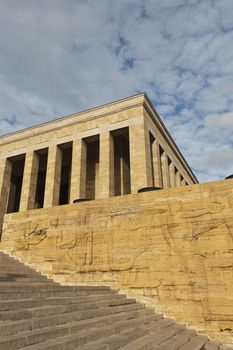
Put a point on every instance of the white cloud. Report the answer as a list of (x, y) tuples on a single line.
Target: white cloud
[(191, 20), (58, 57), (220, 124)]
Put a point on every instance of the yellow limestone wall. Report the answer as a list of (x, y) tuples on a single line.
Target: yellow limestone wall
[(172, 249)]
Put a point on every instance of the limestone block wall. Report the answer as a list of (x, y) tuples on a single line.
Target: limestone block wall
[(172, 249)]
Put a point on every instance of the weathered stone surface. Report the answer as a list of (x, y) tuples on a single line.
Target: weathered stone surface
[(172, 249), (102, 319)]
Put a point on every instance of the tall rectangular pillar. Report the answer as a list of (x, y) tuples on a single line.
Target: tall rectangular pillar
[(106, 166), (172, 174), (53, 177), (165, 170), (28, 193), (125, 173), (5, 179), (157, 167), (78, 170), (140, 162), (178, 178)]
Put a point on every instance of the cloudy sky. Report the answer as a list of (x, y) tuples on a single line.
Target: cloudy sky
[(58, 57)]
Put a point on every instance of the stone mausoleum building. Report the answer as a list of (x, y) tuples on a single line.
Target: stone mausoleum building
[(100, 201), (111, 150)]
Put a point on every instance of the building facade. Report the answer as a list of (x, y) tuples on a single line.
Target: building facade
[(111, 150)]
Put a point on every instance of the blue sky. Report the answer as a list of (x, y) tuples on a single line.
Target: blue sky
[(58, 57)]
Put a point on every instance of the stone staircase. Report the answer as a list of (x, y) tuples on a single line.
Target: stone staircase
[(37, 314)]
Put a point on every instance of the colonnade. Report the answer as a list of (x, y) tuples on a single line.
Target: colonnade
[(165, 173), (140, 168)]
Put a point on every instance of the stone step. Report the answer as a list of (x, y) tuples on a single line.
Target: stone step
[(38, 314), (95, 346), (115, 342), (41, 335), (196, 343), (71, 342), (176, 341), (155, 326), (124, 340), (165, 322), (22, 273), (50, 292), (61, 309), (211, 345), (15, 269), (166, 333), (13, 265), (13, 262), (7, 305), (30, 286), (33, 286), (143, 342), (111, 332), (4, 259), (17, 276), (13, 327), (22, 278)]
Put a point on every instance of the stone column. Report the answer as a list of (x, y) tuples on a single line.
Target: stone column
[(178, 178), (125, 169), (5, 179), (140, 162), (165, 170), (78, 170), (28, 193), (172, 174), (106, 166), (157, 165), (53, 177), (183, 182)]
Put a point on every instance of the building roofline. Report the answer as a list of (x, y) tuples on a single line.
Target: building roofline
[(88, 110), (145, 102)]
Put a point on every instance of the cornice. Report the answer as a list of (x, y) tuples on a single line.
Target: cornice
[(76, 118), (116, 106)]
